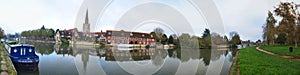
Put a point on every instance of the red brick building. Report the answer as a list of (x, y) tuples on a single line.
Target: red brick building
[(125, 37)]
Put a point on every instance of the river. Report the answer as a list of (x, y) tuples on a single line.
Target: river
[(56, 59)]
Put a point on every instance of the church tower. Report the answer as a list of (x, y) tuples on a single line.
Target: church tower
[(86, 25)]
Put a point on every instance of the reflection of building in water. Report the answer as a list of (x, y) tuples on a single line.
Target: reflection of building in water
[(63, 49), (85, 58)]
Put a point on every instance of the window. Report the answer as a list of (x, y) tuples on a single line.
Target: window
[(131, 34), (15, 50), (109, 33)]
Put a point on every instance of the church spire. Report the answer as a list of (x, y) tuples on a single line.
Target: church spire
[(86, 25), (87, 17)]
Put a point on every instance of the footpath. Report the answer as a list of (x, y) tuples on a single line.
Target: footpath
[(274, 54)]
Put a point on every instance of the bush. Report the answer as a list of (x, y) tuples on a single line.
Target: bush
[(64, 41)]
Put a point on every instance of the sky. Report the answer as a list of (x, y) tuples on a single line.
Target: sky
[(175, 16)]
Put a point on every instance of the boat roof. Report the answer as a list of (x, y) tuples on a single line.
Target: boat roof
[(16, 45)]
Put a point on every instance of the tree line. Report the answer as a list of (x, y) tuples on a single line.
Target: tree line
[(205, 41), (41, 33), (285, 29)]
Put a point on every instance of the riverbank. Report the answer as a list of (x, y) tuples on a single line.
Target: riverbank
[(7, 67), (252, 61), (283, 50)]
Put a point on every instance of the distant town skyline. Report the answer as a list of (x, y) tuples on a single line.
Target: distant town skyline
[(245, 17)]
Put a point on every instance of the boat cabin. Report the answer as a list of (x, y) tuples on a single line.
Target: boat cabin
[(22, 53)]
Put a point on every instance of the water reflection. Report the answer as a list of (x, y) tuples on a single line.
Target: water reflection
[(94, 60)]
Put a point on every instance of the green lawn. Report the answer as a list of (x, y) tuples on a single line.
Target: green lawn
[(253, 62), (283, 50)]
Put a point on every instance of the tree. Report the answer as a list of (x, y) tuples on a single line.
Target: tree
[(226, 39), (287, 25), (200, 42), (42, 32), (171, 40), (206, 38), (235, 40), (159, 31), (269, 29), (298, 28), (43, 27), (164, 39), (50, 33), (281, 38), (186, 41), (2, 34), (231, 34), (156, 37), (175, 39)]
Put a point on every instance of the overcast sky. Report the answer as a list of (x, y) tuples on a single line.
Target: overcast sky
[(244, 16)]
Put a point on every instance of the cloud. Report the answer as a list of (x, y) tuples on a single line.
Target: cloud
[(20, 15), (245, 16)]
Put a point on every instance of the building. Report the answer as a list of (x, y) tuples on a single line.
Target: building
[(86, 25), (70, 35), (125, 37), (108, 37)]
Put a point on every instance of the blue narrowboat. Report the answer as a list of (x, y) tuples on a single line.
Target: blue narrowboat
[(22, 53)]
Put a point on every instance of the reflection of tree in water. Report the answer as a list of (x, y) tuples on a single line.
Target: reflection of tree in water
[(158, 57), (233, 51), (43, 48), (187, 54), (216, 54), (226, 52), (206, 55)]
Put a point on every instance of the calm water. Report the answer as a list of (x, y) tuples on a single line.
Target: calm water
[(89, 60)]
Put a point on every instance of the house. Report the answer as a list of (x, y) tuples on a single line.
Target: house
[(71, 35), (125, 37)]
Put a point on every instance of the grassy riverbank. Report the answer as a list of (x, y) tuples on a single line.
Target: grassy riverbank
[(255, 62), (282, 50), (10, 67)]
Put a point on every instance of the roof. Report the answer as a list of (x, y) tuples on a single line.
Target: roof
[(16, 45)]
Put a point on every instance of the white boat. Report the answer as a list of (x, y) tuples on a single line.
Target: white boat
[(125, 47)]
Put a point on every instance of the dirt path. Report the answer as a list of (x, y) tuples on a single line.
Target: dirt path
[(282, 56), (235, 65)]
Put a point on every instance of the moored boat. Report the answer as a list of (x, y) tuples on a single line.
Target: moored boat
[(22, 53)]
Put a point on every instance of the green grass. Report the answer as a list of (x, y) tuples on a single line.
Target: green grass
[(283, 50), (1, 49), (10, 70), (253, 62)]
